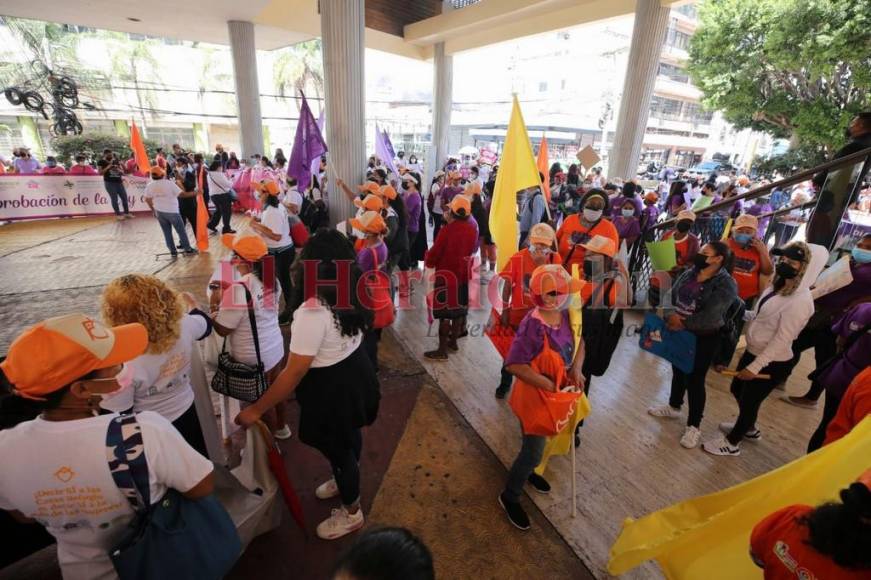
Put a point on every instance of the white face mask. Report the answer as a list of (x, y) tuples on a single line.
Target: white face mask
[(592, 215)]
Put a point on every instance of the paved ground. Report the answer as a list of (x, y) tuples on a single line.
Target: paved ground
[(424, 467)]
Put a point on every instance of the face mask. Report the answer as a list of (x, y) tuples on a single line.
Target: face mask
[(592, 215), (861, 256), (786, 271), (743, 239), (700, 261), (628, 213), (683, 227)]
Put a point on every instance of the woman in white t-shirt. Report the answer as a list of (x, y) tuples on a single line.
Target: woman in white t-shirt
[(335, 382), (274, 228), (55, 467), (158, 380), (229, 310)]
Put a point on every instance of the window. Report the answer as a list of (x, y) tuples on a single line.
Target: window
[(688, 10), (673, 72), (677, 39), (166, 136), (665, 108), (542, 86)]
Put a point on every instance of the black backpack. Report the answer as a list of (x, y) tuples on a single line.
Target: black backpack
[(313, 214)]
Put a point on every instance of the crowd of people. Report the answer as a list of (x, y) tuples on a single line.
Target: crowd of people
[(740, 268)]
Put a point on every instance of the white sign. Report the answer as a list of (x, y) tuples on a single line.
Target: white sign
[(47, 196)]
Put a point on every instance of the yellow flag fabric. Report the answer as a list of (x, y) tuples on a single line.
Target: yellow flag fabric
[(517, 171), (726, 230), (575, 317), (562, 442), (709, 537), (543, 167), (138, 148)]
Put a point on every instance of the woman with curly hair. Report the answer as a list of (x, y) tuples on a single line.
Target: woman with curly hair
[(159, 379), (328, 368)]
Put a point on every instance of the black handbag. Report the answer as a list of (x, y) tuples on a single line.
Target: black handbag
[(237, 379), (601, 329)]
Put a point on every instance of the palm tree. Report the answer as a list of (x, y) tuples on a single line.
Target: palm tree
[(299, 68), (130, 61)]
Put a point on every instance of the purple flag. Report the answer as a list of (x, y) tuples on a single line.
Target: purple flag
[(308, 145), (389, 144), (383, 151), (316, 162)]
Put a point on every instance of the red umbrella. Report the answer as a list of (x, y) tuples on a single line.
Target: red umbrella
[(276, 465)]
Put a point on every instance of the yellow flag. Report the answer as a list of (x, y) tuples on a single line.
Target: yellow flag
[(562, 442), (517, 171), (709, 537), (726, 230)]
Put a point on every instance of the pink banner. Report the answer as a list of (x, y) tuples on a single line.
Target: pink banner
[(48, 196)]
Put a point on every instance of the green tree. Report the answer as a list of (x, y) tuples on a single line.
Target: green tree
[(793, 68), (299, 68), (131, 61)]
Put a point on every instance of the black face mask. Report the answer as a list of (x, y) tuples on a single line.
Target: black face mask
[(683, 227), (700, 261), (785, 271)]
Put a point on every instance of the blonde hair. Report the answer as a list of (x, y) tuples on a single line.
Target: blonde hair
[(148, 301)]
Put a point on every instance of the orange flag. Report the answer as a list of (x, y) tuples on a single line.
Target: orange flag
[(202, 213), (543, 167), (138, 148)]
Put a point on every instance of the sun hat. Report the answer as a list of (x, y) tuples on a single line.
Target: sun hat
[(250, 247), (553, 278), (369, 222), (370, 203), (369, 186), (745, 220), (460, 206), (601, 245), (541, 234), (686, 214), (55, 352)]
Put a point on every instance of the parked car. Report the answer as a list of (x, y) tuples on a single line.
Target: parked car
[(704, 169)]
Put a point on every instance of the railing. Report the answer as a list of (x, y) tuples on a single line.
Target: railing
[(841, 187)]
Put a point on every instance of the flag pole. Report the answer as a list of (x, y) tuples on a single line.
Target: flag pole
[(574, 480)]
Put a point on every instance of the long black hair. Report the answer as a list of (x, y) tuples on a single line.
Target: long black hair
[(327, 248), (722, 249), (842, 531), (386, 554)]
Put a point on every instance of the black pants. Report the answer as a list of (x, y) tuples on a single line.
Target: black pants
[(751, 394), (188, 425), (693, 383), (370, 342), (187, 207), (117, 193), (223, 211), (283, 260), (346, 468), (822, 340), (437, 222), (830, 409)]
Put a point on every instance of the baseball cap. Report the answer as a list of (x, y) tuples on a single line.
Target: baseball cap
[(686, 214), (461, 206), (270, 187), (370, 203), (370, 186), (472, 188), (438, 174), (651, 196), (601, 245), (553, 278), (370, 222), (541, 234), (387, 192), (409, 177), (745, 220), (156, 171), (791, 251), (55, 352), (250, 247)]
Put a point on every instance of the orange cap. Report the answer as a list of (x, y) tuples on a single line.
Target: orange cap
[(156, 171), (369, 222), (370, 203), (56, 352), (472, 188), (601, 245), (387, 191), (541, 234), (651, 196), (371, 187), (250, 247), (461, 206), (269, 187), (553, 278)]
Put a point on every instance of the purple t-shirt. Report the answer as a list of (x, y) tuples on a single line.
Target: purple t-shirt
[(627, 228), (448, 193), (840, 299), (649, 215), (852, 362), (758, 209), (412, 208), (529, 339), (687, 299), (617, 205), (366, 259)]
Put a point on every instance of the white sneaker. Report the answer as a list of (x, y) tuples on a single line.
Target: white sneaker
[(664, 412), (327, 489), (721, 446), (339, 524), (751, 435), (283, 433), (691, 437)]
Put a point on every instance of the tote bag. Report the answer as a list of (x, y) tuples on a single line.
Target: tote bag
[(677, 347)]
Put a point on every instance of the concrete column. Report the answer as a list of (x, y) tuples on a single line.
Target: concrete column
[(342, 31), (247, 86), (648, 36), (442, 88)]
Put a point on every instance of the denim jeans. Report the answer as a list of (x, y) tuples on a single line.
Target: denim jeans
[(116, 191), (167, 222), (527, 460)]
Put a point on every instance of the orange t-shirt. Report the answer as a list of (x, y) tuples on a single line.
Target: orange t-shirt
[(518, 271), (746, 270), (854, 407), (778, 542), (572, 232)]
